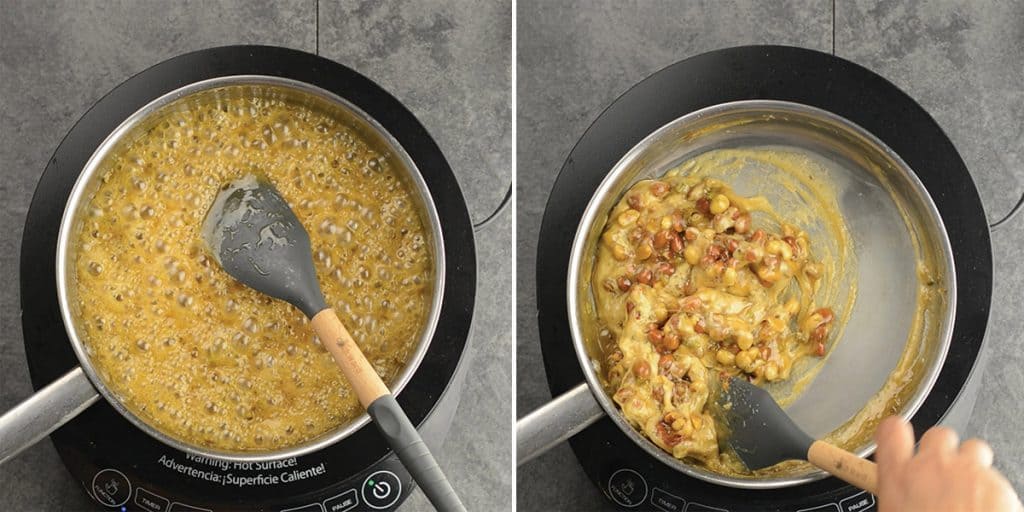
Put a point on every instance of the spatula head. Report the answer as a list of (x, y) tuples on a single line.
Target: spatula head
[(760, 432), (254, 235)]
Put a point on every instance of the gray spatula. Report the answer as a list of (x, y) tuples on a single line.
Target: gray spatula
[(256, 238), (762, 434)]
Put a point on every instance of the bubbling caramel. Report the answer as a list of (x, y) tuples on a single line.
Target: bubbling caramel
[(203, 358)]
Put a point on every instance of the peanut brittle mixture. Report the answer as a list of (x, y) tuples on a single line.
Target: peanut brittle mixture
[(689, 289)]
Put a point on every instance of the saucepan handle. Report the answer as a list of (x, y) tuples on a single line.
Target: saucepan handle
[(44, 412), (556, 421)]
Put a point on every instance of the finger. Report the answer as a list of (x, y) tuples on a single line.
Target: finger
[(1009, 495), (895, 439), (939, 440), (977, 452)]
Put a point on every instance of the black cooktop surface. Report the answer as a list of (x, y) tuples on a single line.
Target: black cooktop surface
[(122, 467), (626, 474)]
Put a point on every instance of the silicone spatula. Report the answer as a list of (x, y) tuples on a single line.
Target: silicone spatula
[(762, 434), (254, 235)]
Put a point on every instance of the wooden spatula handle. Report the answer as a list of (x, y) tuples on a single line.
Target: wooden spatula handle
[(389, 417), (336, 339), (844, 465)]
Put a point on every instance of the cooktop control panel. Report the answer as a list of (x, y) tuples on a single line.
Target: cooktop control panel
[(630, 490), (383, 487)]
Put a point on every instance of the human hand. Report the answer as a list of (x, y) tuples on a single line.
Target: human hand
[(944, 475)]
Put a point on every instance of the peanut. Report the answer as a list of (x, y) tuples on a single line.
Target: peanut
[(719, 204)]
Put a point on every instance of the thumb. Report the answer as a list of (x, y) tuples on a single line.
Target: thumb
[(895, 438)]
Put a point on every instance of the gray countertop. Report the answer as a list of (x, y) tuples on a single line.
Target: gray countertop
[(961, 60), (448, 61)]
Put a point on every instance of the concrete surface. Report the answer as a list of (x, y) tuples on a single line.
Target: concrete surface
[(448, 61), (962, 61)]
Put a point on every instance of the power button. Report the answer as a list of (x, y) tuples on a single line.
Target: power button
[(381, 489)]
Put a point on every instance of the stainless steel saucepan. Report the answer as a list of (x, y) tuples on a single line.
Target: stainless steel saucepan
[(896, 231), (66, 397)]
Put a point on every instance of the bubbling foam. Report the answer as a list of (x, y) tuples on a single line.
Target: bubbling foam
[(200, 356)]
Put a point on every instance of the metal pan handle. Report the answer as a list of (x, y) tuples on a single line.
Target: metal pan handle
[(44, 412), (556, 421)]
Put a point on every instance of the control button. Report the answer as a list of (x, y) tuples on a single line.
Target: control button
[(181, 507), (858, 502), (149, 501), (667, 502), (697, 507), (111, 488), (627, 488), (828, 507), (381, 489), (312, 507), (343, 502)]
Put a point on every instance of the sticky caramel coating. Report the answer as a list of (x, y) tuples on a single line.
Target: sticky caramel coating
[(689, 290), (198, 355)]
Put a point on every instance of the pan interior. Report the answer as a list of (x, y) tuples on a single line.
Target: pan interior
[(212, 94), (897, 322)]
